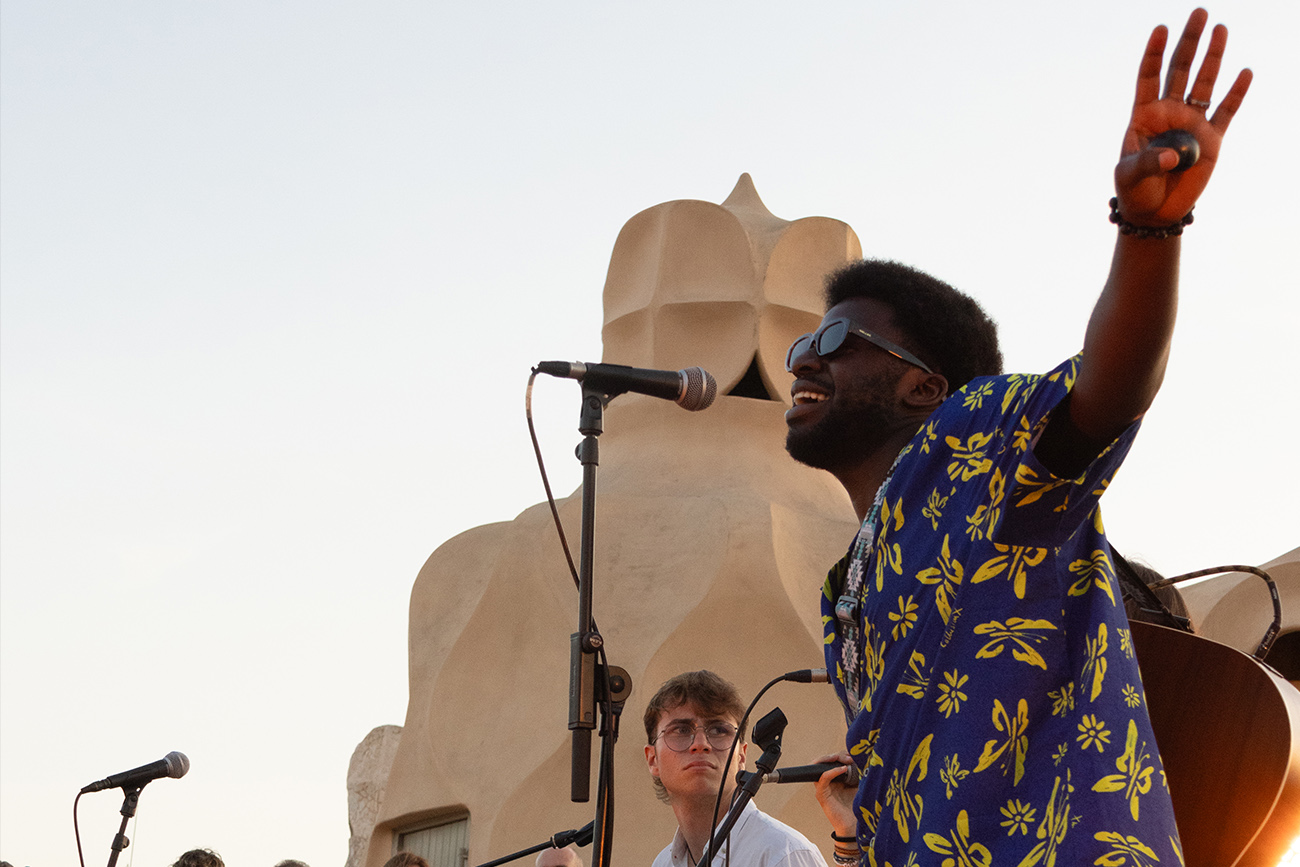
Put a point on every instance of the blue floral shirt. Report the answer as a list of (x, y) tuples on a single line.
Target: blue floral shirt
[(982, 653)]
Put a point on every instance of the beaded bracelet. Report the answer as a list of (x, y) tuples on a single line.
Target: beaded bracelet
[(1155, 232), (845, 860)]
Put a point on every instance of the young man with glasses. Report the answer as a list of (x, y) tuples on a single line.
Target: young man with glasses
[(975, 626), (691, 724)]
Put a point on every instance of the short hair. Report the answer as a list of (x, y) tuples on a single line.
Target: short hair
[(291, 862), (945, 328), (199, 858), (406, 859), (712, 695)]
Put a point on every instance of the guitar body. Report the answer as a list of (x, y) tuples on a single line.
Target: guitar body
[(1228, 728)]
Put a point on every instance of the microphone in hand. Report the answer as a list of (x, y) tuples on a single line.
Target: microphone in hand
[(812, 773)]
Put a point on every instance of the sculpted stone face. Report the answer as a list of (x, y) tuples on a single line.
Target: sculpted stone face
[(705, 526), (740, 285)]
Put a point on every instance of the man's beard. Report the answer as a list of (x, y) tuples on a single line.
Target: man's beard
[(850, 430)]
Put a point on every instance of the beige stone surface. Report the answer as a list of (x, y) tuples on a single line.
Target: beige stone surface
[(367, 778), (710, 548)]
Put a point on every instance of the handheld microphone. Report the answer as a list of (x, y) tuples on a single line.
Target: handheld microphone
[(812, 773), (173, 764), (692, 388)]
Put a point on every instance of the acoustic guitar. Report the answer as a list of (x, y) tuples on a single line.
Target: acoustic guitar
[(1228, 728)]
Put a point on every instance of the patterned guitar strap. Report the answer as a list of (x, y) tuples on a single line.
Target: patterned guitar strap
[(848, 608)]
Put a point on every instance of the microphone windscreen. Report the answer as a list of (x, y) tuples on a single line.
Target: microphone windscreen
[(177, 764), (701, 389)]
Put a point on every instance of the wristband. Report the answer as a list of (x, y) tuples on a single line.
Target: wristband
[(1156, 232)]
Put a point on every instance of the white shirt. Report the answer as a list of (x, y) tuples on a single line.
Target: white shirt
[(757, 840)]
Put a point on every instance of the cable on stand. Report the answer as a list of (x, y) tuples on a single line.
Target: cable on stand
[(768, 732)]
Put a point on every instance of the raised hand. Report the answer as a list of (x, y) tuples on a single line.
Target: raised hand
[(1149, 191)]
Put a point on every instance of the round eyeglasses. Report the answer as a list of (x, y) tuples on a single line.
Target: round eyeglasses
[(831, 336), (680, 737)]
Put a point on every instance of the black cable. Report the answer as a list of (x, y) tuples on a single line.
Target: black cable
[(76, 831), (541, 467), (801, 676)]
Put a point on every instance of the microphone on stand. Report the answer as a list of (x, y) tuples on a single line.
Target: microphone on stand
[(173, 764), (693, 388)]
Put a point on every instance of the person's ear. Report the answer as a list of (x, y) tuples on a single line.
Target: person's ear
[(926, 390), (652, 760)]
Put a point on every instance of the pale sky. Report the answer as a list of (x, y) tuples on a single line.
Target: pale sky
[(274, 275)]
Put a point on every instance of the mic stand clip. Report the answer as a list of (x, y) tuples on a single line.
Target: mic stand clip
[(130, 801)]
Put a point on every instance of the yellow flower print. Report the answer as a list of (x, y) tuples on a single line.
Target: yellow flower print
[(886, 554), (948, 575), (1015, 745), (1021, 436), (915, 681), (950, 694), (1126, 642), (1014, 383), (1124, 848), (1060, 754), (1036, 487), (1134, 777), (1093, 732), (933, 508), (904, 617), (930, 436), (1015, 561), (952, 774), (867, 748), (958, 847), (873, 663), (973, 398), (1022, 634), (907, 806), (871, 818), (1062, 699), (985, 519), (1095, 571), (968, 459), (1131, 697), (1055, 825), (1018, 817), (1096, 662)]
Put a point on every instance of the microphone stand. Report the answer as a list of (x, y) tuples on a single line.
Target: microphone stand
[(586, 644), (120, 842), (580, 837), (767, 734)]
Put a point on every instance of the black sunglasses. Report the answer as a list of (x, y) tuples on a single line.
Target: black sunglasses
[(830, 337)]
